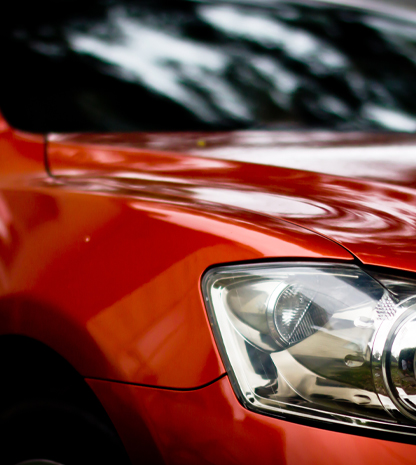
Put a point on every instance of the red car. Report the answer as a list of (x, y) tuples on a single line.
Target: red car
[(207, 232)]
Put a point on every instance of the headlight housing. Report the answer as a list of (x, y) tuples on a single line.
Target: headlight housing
[(323, 341)]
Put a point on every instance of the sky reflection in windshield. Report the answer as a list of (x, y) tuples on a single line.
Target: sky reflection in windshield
[(158, 66)]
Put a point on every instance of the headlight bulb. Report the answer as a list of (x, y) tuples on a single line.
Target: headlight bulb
[(293, 313)]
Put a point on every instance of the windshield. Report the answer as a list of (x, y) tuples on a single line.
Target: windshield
[(195, 65)]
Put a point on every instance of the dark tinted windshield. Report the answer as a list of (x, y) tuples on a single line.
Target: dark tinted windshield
[(183, 65)]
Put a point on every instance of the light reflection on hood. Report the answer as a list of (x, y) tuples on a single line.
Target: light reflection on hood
[(348, 155), (261, 202)]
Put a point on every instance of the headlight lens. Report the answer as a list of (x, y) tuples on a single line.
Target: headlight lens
[(323, 341)]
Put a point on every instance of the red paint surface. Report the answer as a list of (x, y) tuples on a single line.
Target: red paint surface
[(209, 426), (357, 189), (109, 276), (103, 264)]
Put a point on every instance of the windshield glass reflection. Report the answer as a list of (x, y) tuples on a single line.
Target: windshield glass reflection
[(186, 65)]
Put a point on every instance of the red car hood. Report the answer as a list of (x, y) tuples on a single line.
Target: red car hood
[(356, 189)]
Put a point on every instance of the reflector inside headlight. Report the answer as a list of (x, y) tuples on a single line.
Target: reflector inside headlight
[(323, 341)]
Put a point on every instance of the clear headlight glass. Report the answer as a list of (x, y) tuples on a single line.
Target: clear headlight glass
[(323, 341)]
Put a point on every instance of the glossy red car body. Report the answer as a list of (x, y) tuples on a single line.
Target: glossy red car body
[(104, 239)]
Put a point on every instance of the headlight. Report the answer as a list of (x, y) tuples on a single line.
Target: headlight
[(322, 341)]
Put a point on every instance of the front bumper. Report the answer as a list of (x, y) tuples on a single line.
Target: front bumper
[(210, 426)]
